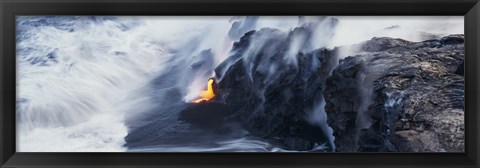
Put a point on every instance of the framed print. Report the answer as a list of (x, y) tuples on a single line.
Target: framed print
[(253, 83)]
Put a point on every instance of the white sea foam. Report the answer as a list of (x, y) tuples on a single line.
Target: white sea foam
[(77, 102)]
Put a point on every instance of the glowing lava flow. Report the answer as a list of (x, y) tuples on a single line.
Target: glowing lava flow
[(206, 94)]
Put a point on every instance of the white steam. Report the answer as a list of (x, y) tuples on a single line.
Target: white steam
[(356, 29)]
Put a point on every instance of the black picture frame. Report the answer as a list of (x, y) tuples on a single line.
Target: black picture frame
[(470, 9)]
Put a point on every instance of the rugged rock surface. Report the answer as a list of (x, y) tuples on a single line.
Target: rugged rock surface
[(397, 95), (392, 96), (271, 84), (268, 88)]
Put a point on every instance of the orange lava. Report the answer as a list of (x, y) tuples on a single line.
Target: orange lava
[(206, 94)]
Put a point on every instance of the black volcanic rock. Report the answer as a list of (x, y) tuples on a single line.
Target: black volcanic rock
[(461, 69), (208, 115), (399, 96), (383, 43), (453, 39), (271, 85)]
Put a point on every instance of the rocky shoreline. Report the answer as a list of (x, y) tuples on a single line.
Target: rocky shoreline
[(394, 96), (399, 96), (390, 95)]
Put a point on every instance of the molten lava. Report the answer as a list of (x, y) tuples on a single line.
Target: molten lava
[(206, 94)]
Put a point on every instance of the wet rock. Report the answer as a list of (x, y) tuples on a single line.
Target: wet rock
[(453, 39), (399, 96), (271, 84), (383, 43), (207, 115), (461, 69)]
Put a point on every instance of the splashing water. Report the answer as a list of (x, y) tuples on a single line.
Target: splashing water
[(79, 76)]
